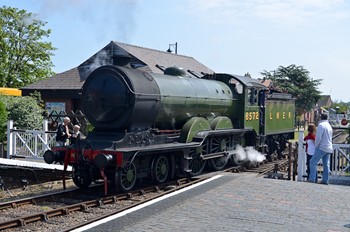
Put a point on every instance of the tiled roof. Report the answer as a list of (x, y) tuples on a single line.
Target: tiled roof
[(69, 80), (153, 57), (325, 101), (142, 58)]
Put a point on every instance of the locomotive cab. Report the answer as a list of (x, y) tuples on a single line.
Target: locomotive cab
[(247, 91), (268, 117)]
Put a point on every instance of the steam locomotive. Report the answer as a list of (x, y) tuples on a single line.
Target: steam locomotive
[(160, 126)]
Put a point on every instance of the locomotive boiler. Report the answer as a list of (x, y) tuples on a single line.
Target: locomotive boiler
[(150, 126), (117, 98)]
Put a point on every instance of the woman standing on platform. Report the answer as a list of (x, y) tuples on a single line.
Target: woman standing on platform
[(310, 139)]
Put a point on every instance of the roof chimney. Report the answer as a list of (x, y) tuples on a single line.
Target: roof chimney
[(121, 60)]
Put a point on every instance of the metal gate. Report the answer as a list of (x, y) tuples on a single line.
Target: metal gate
[(29, 143), (340, 159)]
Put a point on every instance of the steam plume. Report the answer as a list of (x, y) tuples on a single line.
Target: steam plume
[(247, 154)]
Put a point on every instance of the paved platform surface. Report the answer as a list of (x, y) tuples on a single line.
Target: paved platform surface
[(244, 202)]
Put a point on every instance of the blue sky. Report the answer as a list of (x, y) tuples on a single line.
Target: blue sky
[(231, 36)]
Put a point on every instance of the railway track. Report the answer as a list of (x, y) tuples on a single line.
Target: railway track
[(40, 211), (74, 209), (340, 136), (271, 167), (277, 168)]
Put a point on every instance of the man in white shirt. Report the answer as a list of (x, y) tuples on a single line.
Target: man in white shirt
[(324, 148)]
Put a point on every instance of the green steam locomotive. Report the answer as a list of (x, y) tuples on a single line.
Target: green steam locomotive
[(160, 126)]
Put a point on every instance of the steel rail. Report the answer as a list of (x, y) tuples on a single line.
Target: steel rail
[(82, 206)]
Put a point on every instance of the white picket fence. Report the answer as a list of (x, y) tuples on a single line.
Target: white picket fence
[(339, 161), (29, 143)]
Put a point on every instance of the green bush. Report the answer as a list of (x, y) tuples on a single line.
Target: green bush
[(26, 112), (3, 121)]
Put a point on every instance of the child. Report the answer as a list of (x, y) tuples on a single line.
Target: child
[(310, 146), (75, 135)]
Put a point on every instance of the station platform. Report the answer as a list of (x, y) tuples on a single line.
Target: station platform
[(243, 202), (31, 163), (21, 172)]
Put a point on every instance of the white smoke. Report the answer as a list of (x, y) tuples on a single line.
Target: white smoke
[(240, 153), (107, 19), (247, 154), (100, 59), (253, 155)]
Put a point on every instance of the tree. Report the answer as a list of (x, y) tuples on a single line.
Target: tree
[(341, 107), (26, 112), (295, 80), (3, 120), (24, 56)]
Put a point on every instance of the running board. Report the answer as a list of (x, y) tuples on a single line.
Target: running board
[(214, 155)]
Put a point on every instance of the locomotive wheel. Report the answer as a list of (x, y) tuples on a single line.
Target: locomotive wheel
[(80, 177), (160, 169), (218, 145), (197, 164), (126, 178)]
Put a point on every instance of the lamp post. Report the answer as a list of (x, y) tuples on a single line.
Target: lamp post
[(172, 45)]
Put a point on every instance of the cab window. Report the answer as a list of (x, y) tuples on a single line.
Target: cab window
[(252, 96)]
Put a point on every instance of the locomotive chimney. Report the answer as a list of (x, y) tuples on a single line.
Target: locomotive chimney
[(121, 60)]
